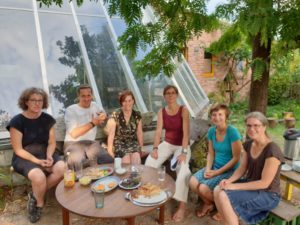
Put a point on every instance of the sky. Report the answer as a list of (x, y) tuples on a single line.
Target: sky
[(211, 5)]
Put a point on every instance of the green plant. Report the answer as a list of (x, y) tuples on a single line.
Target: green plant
[(277, 88)]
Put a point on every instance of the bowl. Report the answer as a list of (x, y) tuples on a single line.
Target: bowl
[(120, 171), (296, 165), (85, 180)]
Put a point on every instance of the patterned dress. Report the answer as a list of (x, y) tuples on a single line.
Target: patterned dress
[(125, 140)]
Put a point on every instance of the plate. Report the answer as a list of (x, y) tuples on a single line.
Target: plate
[(122, 184), (109, 183), (156, 199), (128, 197), (286, 167), (296, 166), (95, 173)]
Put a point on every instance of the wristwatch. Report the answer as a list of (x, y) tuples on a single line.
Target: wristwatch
[(184, 151)]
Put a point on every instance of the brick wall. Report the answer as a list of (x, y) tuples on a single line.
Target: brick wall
[(195, 58)]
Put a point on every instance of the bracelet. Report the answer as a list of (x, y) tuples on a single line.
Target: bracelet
[(155, 148), (92, 124)]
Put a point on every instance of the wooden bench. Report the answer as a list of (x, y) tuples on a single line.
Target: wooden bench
[(284, 214)]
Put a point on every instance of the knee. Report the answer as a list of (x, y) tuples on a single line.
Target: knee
[(37, 176)]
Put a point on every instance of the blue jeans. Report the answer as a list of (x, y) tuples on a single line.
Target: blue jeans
[(252, 206)]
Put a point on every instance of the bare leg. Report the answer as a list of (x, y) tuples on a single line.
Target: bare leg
[(179, 214), (56, 175), (39, 185), (205, 194), (225, 208)]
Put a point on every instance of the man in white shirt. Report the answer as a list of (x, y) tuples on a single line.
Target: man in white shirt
[(81, 122)]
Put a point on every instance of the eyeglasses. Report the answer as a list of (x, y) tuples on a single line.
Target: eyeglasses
[(255, 126), (39, 101), (171, 93)]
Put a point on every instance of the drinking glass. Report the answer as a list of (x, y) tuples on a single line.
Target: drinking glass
[(161, 173), (78, 170), (99, 198)]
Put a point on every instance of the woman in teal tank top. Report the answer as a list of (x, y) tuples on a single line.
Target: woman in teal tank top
[(224, 148)]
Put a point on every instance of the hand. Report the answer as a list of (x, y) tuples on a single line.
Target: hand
[(154, 154), (228, 186), (112, 154), (43, 163), (210, 174), (181, 158), (223, 183), (50, 160)]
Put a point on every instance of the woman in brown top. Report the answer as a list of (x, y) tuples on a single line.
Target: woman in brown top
[(259, 192)]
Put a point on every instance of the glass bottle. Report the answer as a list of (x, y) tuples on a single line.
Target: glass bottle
[(69, 175)]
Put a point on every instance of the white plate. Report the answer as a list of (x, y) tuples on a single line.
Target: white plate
[(156, 199), (286, 167), (106, 181)]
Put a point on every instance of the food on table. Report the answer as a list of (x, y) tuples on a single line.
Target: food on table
[(85, 180), (147, 190), (129, 182), (99, 187), (96, 173), (112, 184)]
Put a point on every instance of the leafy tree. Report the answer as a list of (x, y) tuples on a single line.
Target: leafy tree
[(177, 21), (263, 22)]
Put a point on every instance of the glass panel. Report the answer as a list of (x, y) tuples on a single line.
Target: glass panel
[(16, 3), (19, 60), (109, 75), (90, 8), (64, 62), (65, 7)]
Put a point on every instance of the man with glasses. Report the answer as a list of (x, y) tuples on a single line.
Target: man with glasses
[(81, 121)]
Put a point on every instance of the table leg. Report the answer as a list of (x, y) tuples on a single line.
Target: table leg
[(65, 216), (131, 221), (288, 191), (161, 219)]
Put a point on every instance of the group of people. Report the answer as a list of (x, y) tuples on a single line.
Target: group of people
[(240, 180)]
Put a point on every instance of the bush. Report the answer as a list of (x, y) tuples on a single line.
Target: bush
[(278, 85)]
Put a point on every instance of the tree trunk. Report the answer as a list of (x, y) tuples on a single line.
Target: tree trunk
[(259, 88)]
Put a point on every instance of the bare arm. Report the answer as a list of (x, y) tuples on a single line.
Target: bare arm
[(186, 133), (16, 142), (268, 174), (157, 135), (51, 146), (111, 124), (140, 134), (210, 156), (185, 127)]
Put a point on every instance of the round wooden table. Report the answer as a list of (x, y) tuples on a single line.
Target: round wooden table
[(79, 199)]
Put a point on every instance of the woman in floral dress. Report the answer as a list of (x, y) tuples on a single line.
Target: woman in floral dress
[(125, 134)]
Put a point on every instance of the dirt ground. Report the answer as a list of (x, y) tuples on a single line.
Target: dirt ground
[(15, 212)]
